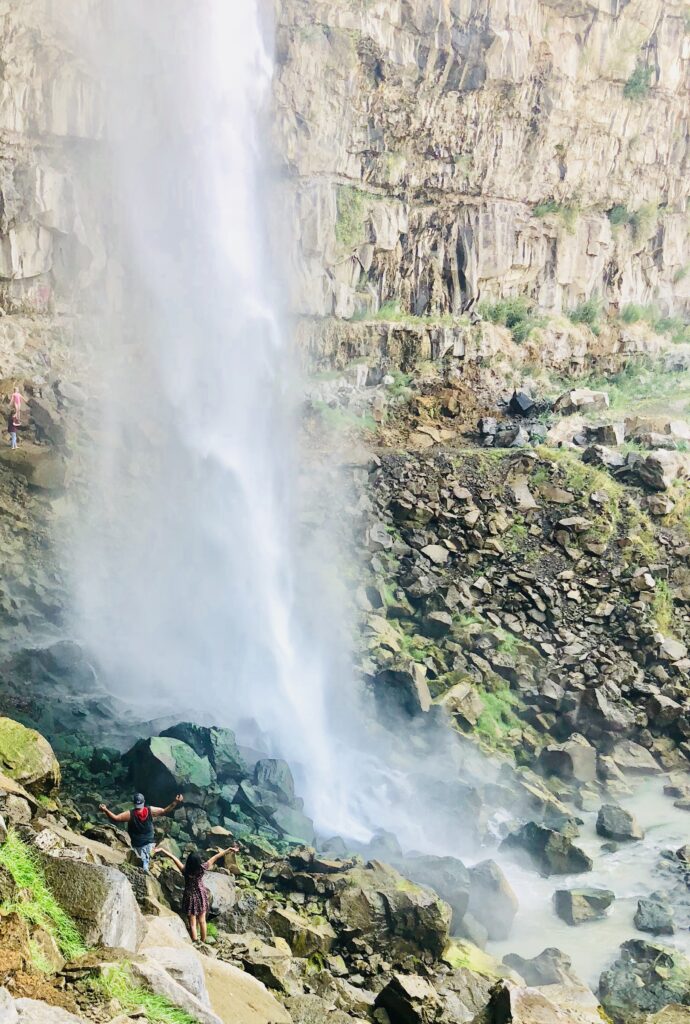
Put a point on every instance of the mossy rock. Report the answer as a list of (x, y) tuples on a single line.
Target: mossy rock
[(161, 767), (28, 758)]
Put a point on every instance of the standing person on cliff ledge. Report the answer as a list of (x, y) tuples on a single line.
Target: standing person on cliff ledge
[(12, 428), (140, 824), (16, 402)]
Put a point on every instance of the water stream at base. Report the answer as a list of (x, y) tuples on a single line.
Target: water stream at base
[(631, 872)]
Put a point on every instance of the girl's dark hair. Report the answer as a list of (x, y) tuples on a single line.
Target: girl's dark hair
[(194, 865)]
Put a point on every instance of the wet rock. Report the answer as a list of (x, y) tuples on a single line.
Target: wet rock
[(162, 766), (614, 822), (574, 906), (304, 937), (27, 758), (654, 914), (389, 912), (550, 851), (644, 979), (574, 759), (217, 745), (409, 999), (275, 774), (447, 876), (512, 1003), (99, 899), (635, 759), (294, 823), (550, 967), (407, 691), (492, 901)]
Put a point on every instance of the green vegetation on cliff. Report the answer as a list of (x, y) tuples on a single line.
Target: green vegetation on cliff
[(34, 900), (116, 983)]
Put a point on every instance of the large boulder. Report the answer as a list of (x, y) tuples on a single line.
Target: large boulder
[(392, 914), (550, 851), (33, 1011), (492, 901), (162, 766), (581, 400), (518, 1005), (218, 745), (614, 822), (294, 823), (221, 889), (99, 899), (305, 936), (276, 775), (409, 999), (574, 906), (28, 758), (447, 876), (645, 978), (575, 759), (550, 967)]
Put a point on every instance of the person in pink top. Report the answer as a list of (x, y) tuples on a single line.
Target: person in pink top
[(16, 402)]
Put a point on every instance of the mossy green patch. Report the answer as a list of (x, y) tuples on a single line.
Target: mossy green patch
[(459, 954), (116, 983), (34, 900), (351, 208)]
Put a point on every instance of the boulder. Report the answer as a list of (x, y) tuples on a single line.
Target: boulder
[(238, 997), (611, 434), (436, 553), (48, 421), (513, 1003), (550, 851), (99, 899), (217, 745), (409, 999), (551, 967), (437, 624), (635, 759), (492, 901), (606, 458), (464, 701), (32, 1011), (447, 876), (221, 888), (614, 822), (521, 404), (577, 905), (154, 977), (162, 766), (41, 467), (305, 936), (389, 912), (402, 690), (275, 774), (659, 470), (645, 978), (183, 966), (582, 400), (654, 914), (575, 759), (295, 824), (27, 758), (8, 1011)]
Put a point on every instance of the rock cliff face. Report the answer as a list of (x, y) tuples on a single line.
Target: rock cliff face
[(443, 151)]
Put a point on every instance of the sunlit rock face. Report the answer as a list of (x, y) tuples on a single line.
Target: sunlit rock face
[(50, 118), (421, 136)]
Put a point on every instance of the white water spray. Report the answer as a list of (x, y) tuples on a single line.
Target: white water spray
[(187, 588)]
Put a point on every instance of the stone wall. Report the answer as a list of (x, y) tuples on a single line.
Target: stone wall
[(420, 137)]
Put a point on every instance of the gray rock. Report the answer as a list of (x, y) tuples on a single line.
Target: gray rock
[(574, 759), (99, 899), (293, 823), (492, 901), (31, 1011), (552, 852), (614, 822), (654, 914), (645, 978), (551, 967), (409, 999), (574, 906), (8, 1010), (447, 876)]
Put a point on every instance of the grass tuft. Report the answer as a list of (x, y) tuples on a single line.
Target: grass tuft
[(35, 902), (588, 313), (639, 84), (117, 984), (516, 314)]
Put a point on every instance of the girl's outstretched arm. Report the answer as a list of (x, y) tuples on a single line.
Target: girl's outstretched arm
[(218, 856), (178, 863)]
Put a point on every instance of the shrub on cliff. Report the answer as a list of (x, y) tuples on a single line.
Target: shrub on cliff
[(517, 314), (639, 83)]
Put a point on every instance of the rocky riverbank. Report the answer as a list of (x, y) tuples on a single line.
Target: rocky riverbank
[(303, 935)]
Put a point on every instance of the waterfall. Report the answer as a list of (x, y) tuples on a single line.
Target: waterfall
[(186, 587)]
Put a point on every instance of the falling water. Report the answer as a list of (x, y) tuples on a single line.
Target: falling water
[(187, 585)]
